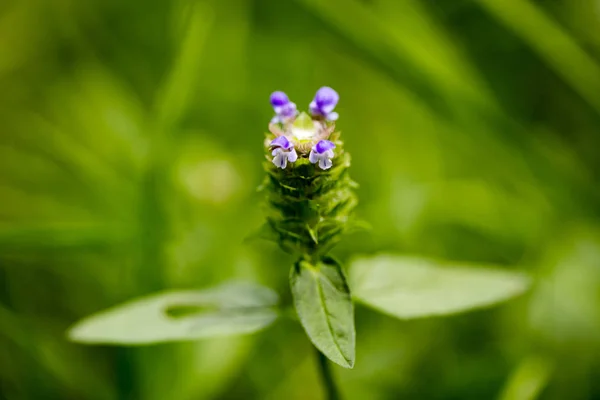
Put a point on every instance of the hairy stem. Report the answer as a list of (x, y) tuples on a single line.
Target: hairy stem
[(327, 377)]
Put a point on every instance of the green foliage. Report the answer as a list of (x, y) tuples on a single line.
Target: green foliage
[(181, 315), (528, 380), (130, 150), (407, 287), (322, 300)]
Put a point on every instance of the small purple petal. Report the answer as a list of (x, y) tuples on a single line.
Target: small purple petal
[(279, 99), (282, 142), (323, 146), (288, 111), (326, 98)]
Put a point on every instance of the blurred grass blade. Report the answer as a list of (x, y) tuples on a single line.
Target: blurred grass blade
[(552, 43), (388, 34), (233, 308), (407, 287), (528, 380), (55, 357), (176, 90), (23, 237)]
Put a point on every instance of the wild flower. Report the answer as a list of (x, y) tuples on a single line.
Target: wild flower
[(283, 151), (302, 135), (284, 108), (323, 104)]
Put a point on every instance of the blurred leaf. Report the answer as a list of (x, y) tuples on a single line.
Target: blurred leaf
[(552, 43), (175, 92), (528, 380), (407, 287), (324, 305), (264, 232), (233, 308), (62, 236), (431, 64), (565, 306), (55, 357)]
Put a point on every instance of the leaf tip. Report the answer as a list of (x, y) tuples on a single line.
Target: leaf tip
[(76, 333)]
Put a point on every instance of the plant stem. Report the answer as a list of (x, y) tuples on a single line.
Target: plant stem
[(327, 377)]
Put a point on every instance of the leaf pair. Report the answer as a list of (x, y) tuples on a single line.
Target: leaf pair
[(403, 287)]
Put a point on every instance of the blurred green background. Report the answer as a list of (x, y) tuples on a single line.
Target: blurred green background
[(131, 148)]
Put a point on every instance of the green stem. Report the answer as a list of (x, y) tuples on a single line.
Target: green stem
[(327, 377)]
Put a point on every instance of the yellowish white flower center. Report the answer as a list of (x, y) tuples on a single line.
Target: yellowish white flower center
[(303, 134)]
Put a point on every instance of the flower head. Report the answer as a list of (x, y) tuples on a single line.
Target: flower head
[(284, 108), (283, 151), (324, 102), (322, 153), (300, 134)]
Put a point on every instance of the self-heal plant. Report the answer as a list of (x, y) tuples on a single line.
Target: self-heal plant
[(310, 203)]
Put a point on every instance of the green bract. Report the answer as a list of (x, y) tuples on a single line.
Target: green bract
[(309, 208)]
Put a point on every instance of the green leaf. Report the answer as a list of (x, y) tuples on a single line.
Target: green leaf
[(410, 287), (324, 305), (233, 308)]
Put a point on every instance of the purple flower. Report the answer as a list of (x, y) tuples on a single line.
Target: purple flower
[(324, 102), (323, 153), (284, 108), (283, 151)]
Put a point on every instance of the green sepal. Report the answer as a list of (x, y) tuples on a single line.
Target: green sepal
[(310, 209)]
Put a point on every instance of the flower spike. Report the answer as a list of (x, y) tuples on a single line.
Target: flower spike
[(311, 202)]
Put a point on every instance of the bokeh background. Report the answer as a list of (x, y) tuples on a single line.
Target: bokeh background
[(131, 147)]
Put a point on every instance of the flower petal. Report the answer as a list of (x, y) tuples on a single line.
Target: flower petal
[(323, 146), (292, 156), (333, 116), (281, 141), (327, 109), (279, 99), (325, 163), (312, 157), (280, 160), (326, 97)]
